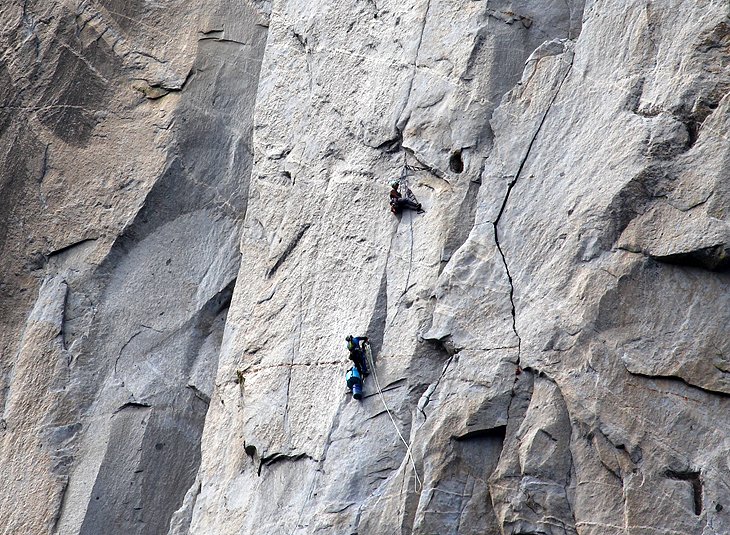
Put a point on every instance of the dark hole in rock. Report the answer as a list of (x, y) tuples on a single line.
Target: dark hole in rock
[(159, 446), (456, 164), (498, 433), (693, 132), (718, 507)]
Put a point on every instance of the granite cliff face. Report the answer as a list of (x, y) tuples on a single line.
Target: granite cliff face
[(193, 214)]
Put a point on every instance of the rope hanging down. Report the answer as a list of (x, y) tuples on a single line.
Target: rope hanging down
[(418, 484)]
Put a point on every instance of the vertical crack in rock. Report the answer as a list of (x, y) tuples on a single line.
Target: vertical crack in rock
[(420, 38), (63, 320), (295, 350), (62, 503), (426, 398), (510, 186), (44, 164), (415, 69), (410, 256), (121, 351)]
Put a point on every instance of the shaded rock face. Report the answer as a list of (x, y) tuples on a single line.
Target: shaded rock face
[(127, 133), (193, 215)]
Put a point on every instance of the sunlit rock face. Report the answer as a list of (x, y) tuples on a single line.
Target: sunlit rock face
[(194, 214)]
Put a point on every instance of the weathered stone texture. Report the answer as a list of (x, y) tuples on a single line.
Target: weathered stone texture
[(126, 134), (193, 215)]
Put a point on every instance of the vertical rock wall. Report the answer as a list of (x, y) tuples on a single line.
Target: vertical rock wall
[(193, 215), (127, 146), (545, 338)]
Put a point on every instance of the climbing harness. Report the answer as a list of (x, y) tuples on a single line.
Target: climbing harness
[(418, 484)]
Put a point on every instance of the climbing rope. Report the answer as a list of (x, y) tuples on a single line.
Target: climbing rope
[(418, 484), (405, 186), (406, 171)]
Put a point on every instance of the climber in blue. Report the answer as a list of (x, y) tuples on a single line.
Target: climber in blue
[(354, 382), (356, 346)]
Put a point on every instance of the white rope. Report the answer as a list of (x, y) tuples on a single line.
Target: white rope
[(418, 484)]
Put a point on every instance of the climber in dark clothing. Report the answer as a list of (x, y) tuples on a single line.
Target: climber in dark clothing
[(398, 202), (356, 346)]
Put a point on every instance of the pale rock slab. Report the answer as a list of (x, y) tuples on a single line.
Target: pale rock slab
[(193, 214)]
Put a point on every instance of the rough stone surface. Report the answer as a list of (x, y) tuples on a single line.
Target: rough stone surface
[(193, 214), (126, 149)]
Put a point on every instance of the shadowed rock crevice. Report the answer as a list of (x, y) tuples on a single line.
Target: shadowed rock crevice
[(376, 327), (693, 478), (634, 199), (494, 433), (680, 382), (715, 258), (393, 145), (277, 458), (287, 251), (456, 164)]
